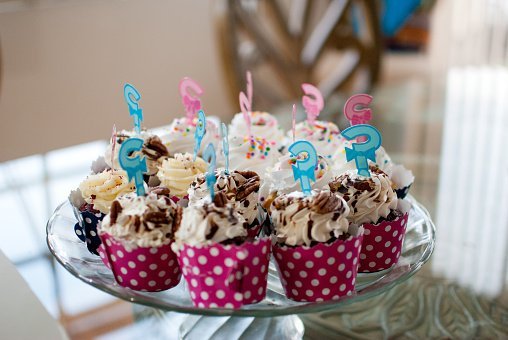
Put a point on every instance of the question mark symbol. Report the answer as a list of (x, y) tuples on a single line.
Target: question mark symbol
[(225, 146), (132, 97), (304, 168), (313, 105), (191, 102), (357, 115), (200, 132), (363, 151), (209, 156), (134, 166)]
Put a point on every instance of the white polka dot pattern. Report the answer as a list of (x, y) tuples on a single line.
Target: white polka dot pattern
[(382, 244), (321, 272), (228, 276), (143, 269)]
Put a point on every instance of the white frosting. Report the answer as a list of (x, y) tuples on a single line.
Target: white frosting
[(280, 178), (325, 136), (178, 172), (263, 125), (252, 154), (133, 228), (297, 222), (367, 206), (207, 224), (179, 137), (100, 190)]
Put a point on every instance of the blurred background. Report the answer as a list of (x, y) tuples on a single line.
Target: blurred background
[(438, 71)]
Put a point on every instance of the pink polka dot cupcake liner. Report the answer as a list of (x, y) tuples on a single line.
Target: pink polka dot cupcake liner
[(322, 272), (141, 268), (382, 242), (103, 256), (226, 276)]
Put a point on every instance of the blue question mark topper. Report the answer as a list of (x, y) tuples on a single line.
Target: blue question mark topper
[(304, 168), (132, 97), (225, 146), (363, 151), (210, 157), (200, 132), (134, 166)]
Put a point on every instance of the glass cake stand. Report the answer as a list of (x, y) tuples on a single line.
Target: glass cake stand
[(250, 320)]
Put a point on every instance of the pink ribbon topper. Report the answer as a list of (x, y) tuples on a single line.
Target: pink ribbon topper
[(190, 100), (356, 110), (246, 102), (313, 102)]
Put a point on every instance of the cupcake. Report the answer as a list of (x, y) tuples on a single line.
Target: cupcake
[(316, 248), (280, 179), (153, 150), (241, 188), (178, 172), (179, 137), (374, 203), (92, 200), (252, 154), (325, 136), (221, 265), (137, 235), (263, 125)]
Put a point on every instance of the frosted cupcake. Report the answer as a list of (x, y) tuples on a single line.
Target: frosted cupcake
[(178, 172), (252, 154), (153, 150), (317, 249), (179, 137), (241, 188), (280, 179), (374, 203), (325, 136), (263, 125), (92, 200), (221, 266), (137, 235)]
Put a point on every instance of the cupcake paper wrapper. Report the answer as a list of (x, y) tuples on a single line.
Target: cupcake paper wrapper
[(227, 276), (402, 193), (254, 231), (140, 268), (382, 243), (86, 228), (321, 272)]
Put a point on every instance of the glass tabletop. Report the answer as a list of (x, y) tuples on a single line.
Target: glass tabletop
[(73, 255)]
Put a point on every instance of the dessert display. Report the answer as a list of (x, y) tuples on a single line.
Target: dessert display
[(329, 204)]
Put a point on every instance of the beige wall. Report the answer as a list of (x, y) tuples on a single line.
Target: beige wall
[(64, 64)]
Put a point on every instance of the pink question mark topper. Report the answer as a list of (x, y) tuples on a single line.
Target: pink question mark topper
[(140, 268), (190, 91), (246, 103), (226, 276), (322, 272), (356, 110), (293, 122), (382, 242), (313, 102)]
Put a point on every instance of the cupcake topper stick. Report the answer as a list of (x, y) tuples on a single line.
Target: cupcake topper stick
[(200, 132), (113, 145), (209, 156), (356, 111), (314, 104), (362, 151), (304, 168), (225, 146), (134, 166), (246, 103), (132, 97), (293, 120), (190, 101)]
